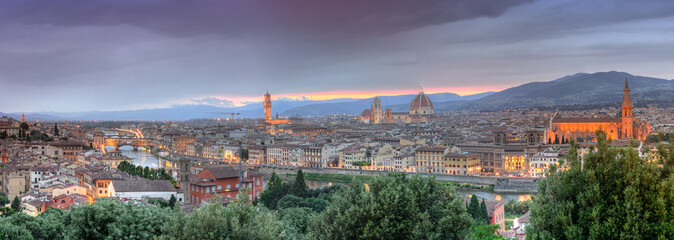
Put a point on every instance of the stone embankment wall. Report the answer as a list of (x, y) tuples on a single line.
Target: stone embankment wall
[(501, 184)]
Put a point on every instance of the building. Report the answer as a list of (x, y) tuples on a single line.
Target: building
[(421, 111), (15, 180), (181, 144), (184, 183), (225, 182), (462, 163), (541, 161), (509, 154), (268, 121), (561, 130), (139, 189), (430, 159), (9, 126)]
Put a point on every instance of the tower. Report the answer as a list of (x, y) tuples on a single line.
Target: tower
[(185, 178), (376, 110), (627, 118), (23, 117), (267, 106)]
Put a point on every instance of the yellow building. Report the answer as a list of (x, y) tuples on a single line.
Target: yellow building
[(462, 164), (430, 159)]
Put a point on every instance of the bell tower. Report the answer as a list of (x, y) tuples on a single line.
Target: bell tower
[(185, 178), (267, 106), (627, 118)]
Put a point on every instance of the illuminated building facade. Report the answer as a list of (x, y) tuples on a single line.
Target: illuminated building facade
[(562, 130)]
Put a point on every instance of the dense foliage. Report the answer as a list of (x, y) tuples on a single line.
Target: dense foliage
[(394, 207), (612, 194), (145, 172), (390, 207), (517, 208)]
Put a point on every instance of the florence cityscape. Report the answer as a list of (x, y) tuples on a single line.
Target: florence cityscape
[(329, 119)]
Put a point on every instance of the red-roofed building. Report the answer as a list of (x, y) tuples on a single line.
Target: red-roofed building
[(224, 181)]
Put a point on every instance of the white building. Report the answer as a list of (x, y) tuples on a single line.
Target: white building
[(143, 189), (540, 162)]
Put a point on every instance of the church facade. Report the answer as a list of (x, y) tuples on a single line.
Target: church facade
[(421, 111), (561, 130)]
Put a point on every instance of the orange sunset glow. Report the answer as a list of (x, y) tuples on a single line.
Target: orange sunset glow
[(323, 96)]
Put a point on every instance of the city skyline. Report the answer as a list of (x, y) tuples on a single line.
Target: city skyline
[(126, 55)]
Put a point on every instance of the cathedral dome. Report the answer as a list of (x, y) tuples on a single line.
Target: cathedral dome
[(421, 104)]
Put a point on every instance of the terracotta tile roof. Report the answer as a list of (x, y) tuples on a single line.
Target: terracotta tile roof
[(143, 186)]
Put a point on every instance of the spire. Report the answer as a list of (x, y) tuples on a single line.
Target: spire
[(626, 86), (23, 117)]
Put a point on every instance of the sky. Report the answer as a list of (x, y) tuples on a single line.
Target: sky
[(83, 55)]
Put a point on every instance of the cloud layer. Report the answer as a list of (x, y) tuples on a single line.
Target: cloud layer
[(78, 55)]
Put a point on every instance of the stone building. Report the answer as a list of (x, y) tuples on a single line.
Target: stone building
[(421, 111), (626, 126)]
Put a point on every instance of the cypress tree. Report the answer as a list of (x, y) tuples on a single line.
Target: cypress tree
[(484, 212), (16, 204), (474, 208), (56, 130), (172, 201), (299, 187)]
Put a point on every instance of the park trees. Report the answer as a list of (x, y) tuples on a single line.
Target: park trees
[(613, 194), (394, 207)]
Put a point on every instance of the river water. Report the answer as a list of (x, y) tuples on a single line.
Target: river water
[(138, 158), (313, 184)]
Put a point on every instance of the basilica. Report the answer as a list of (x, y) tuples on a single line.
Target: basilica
[(421, 111), (561, 130)]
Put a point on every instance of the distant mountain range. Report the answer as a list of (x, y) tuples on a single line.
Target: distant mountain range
[(576, 89)]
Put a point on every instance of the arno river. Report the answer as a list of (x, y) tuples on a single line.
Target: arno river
[(144, 158), (139, 158)]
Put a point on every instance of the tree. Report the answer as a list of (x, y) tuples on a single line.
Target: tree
[(291, 201), (394, 207), (613, 194), (172, 201), (3, 200), (3, 135), (112, 219), (239, 220), (16, 204), (484, 214), (56, 130), (299, 186), (474, 208), (485, 232), (276, 189)]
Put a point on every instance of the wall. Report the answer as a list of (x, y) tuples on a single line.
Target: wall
[(501, 184)]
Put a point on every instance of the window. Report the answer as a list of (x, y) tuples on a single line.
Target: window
[(208, 190), (219, 187), (237, 185), (229, 186)]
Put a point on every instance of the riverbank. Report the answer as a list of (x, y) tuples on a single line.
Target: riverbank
[(500, 184), (346, 179)]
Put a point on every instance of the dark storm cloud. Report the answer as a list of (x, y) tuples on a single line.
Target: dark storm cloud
[(314, 18)]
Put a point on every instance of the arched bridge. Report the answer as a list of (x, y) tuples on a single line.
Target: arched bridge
[(134, 142)]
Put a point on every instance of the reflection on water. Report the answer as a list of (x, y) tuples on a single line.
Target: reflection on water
[(138, 158), (313, 184)]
